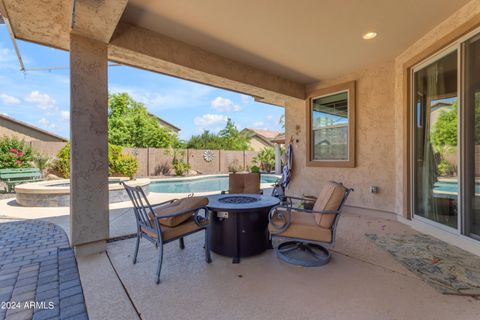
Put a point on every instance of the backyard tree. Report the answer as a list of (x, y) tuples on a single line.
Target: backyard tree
[(231, 138), (444, 139), (228, 138), (131, 125), (444, 131), (206, 140)]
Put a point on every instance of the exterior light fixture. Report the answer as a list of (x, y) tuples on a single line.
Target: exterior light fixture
[(369, 35)]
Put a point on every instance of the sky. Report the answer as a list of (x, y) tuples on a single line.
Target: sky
[(42, 98)]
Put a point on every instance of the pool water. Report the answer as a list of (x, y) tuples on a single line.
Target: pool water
[(450, 187), (215, 183)]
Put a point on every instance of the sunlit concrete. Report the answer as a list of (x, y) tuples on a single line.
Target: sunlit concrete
[(361, 282), (104, 295)]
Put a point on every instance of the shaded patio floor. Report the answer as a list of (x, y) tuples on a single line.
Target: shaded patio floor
[(361, 282)]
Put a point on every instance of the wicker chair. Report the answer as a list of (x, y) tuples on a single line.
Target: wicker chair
[(308, 234), (168, 221)]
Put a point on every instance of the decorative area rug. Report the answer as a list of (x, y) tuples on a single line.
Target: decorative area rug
[(447, 268)]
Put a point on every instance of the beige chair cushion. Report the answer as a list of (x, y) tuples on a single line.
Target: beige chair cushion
[(303, 226), (168, 233), (330, 198), (244, 183), (178, 206)]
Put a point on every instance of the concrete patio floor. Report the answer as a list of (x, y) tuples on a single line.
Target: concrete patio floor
[(361, 282)]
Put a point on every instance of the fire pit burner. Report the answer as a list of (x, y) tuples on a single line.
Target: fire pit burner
[(238, 199)]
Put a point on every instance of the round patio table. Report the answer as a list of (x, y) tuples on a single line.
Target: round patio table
[(239, 224)]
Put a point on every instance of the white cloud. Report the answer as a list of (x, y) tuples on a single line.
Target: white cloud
[(46, 123), (225, 105), (258, 124), (9, 100), (7, 59), (185, 96), (245, 99), (42, 100), (210, 121), (65, 115), (269, 117)]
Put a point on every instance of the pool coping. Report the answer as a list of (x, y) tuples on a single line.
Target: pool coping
[(200, 176), (45, 187)]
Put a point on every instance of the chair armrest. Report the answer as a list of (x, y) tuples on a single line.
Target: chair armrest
[(202, 221), (285, 217), (314, 211), (163, 203), (199, 220), (224, 192), (299, 198)]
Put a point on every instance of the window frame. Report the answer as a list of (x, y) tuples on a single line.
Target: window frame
[(348, 87)]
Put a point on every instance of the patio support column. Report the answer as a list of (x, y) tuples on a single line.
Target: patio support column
[(278, 159), (89, 215)]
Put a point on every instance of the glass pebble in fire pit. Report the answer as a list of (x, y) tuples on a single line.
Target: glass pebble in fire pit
[(237, 199)]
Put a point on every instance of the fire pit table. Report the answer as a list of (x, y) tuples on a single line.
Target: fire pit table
[(239, 224)]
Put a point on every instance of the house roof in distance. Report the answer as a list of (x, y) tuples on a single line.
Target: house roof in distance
[(31, 127), (265, 135), (166, 123)]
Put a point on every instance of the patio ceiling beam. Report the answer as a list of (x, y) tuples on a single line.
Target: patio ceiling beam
[(153, 51), (96, 20)]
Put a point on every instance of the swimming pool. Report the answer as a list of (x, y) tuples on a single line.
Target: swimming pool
[(450, 187), (202, 184)]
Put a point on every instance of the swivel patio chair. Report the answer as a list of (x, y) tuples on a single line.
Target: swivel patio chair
[(244, 183), (168, 221), (308, 234)]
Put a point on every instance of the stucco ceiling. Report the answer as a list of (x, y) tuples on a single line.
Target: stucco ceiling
[(302, 40)]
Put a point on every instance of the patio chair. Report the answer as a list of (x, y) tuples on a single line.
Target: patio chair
[(308, 234), (168, 221), (243, 183)]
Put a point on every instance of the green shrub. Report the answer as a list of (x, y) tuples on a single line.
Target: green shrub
[(61, 165), (14, 153), (180, 167), (255, 169), (445, 168), (41, 162), (119, 164), (265, 159)]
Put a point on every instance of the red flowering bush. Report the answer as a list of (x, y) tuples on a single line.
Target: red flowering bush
[(14, 153)]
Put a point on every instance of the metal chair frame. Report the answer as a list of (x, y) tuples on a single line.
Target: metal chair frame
[(285, 217), (143, 210)]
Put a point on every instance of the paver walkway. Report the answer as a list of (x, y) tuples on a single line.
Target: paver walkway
[(38, 273)]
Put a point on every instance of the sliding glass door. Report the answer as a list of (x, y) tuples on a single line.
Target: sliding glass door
[(472, 137), (435, 152), (446, 138)]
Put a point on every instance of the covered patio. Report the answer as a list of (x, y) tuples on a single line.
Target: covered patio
[(305, 57)]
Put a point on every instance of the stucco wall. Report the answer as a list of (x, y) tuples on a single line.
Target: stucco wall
[(231, 158), (375, 144), (257, 144), (12, 129), (382, 124)]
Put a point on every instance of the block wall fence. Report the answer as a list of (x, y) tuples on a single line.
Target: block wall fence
[(152, 160)]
